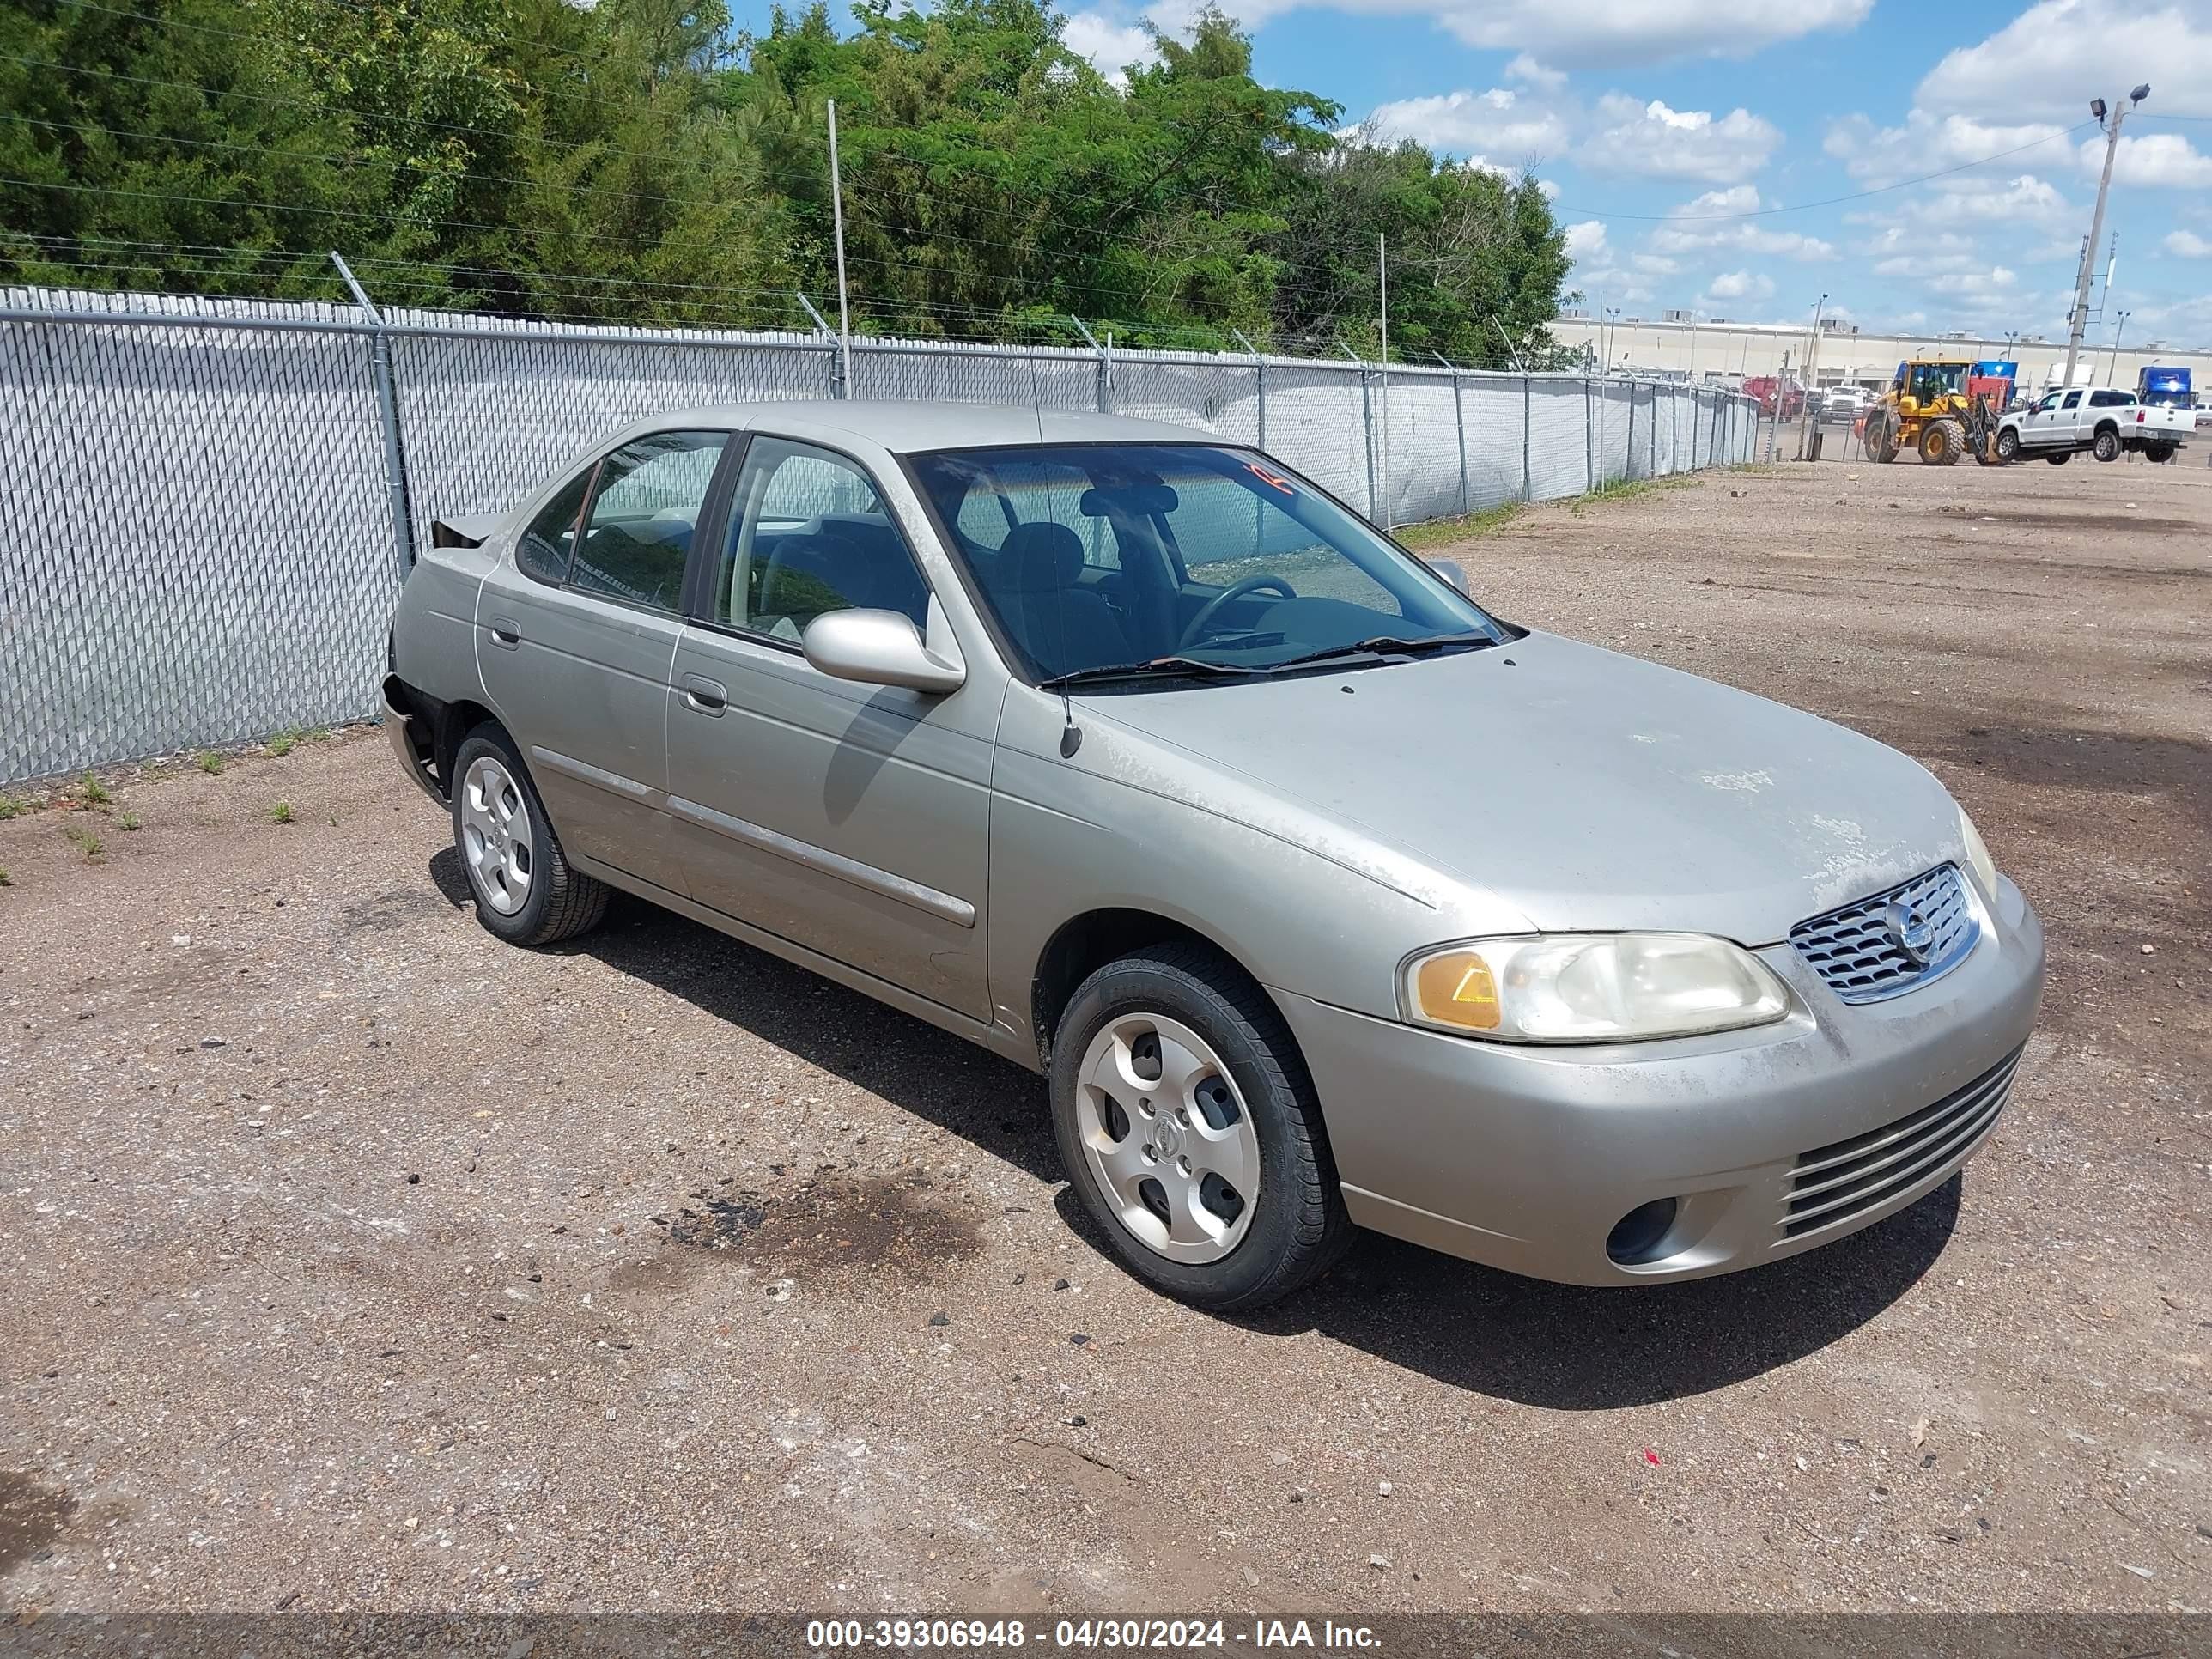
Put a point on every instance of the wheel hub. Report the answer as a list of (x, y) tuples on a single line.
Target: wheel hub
[(1166, 1136)]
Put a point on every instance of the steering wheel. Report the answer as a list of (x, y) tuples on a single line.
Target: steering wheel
[(1234, 591)]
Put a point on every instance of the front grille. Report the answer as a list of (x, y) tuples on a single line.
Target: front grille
[(1860, 955), (1833, 1183)]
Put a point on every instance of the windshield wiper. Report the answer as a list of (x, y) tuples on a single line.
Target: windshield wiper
[(1152, 668), (1386, 645)]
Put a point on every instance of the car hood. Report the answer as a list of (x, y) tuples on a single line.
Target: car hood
[(1586, 789)]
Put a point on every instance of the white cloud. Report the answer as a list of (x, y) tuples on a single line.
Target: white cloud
[(1925, 144), (2158, 160), (1526, 71), (1586, 242), (2187, 245), (2056, 56), (1498, 127), (1586, 32), (2025, 202), (1654, 141), (1656, 264), (1739, 285), (1110, 45), (1702, 226)]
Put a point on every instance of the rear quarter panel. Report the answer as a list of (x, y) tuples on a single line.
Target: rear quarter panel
[(433, 628)]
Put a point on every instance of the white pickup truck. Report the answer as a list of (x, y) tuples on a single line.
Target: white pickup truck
[(2106, 421)]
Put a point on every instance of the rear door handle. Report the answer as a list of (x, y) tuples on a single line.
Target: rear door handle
[(506, 632), (703, 696)]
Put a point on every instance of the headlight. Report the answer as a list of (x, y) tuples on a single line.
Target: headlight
[(1591, 988), (1984, 868)]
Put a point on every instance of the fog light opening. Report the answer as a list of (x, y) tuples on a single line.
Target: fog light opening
[(1641, 1235)]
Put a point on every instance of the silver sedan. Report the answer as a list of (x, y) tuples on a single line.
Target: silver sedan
[(1320, 897)]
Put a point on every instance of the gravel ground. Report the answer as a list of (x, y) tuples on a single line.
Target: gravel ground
[(357, 1262)]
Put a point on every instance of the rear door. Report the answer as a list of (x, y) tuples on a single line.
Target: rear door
[(2066, 419), (577, 637)]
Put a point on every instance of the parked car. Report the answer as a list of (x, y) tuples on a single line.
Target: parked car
[(2107, 421), (1320, 896)]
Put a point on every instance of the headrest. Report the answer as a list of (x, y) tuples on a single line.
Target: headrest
[(1041, 558), (1138, 501)]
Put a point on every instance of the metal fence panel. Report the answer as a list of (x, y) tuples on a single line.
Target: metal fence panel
[(195, 544), (199, 541)]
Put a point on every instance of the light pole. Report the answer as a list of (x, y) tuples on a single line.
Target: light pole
[(2111, 122), (1613, 323), (2112, 373), (1811, 375)]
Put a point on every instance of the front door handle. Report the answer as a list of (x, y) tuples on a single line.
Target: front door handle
[(703, 696), (506, 632)]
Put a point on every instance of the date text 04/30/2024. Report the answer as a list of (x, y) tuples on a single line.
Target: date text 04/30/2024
[(971, 1634)]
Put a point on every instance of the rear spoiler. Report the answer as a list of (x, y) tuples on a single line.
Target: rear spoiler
[(464, 531)]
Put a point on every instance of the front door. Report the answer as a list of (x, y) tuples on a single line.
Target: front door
[(576, 635), (851, 819)]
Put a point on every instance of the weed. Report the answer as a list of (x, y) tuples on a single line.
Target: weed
[(128, 821), (210, 763), (87, 843), (281, 744), (10, 806), (316, 733), (6, 880), (93, 792), (1441, 532), (280, 812)]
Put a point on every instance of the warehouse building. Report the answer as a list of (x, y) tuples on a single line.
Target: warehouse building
[(1718, 351)]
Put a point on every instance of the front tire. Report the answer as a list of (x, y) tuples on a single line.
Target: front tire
[(526, 890), (1941, 442), (2008, 446), (2106, 447), (1189, 1129)]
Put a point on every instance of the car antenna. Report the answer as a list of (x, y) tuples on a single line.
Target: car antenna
[(1071, 734)]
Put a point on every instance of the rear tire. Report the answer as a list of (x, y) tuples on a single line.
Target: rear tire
[(2159, 453), (2106, 445), (526, 890), (2008, 446), (1941, 442), (1232, 1094)]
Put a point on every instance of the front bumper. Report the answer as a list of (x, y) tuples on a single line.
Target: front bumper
[(1526, 1158)]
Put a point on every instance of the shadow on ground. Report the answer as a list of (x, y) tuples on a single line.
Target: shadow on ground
[(1489, 1333)]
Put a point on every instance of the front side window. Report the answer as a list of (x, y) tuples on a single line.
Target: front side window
[(808, 534), (644, 506), (1221, 559)]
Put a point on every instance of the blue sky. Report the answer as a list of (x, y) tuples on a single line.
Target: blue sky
[(1690, 112)]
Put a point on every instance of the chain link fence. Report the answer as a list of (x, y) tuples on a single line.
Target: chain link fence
[(207, 506)]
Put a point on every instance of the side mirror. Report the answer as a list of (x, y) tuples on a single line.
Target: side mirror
[(879, 648), (1451, 572)]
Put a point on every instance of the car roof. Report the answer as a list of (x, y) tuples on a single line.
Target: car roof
[(909, 427)]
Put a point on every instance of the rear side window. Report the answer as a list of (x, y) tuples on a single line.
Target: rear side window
[(545, 547), (2109, 399), (808, 535), (646, 505), (2072, 399)]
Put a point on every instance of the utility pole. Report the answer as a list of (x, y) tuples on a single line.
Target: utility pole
[(2112, 374), (1812, 357), (837, 216), (2111, 122)]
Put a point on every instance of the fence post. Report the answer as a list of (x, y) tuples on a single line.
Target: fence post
[(1628, 455), (1651, 438), (1590, 440), (1260, 375), (1105, 366), (1528, 438), (388, 411), (1459, 420)]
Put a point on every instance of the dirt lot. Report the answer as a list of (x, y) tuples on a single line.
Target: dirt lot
[(356, 1261)]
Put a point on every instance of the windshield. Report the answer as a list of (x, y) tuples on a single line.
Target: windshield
[(1098, 556), (1934, 379)]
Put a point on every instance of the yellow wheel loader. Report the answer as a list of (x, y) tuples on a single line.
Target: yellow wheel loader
[(1928, 408)]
